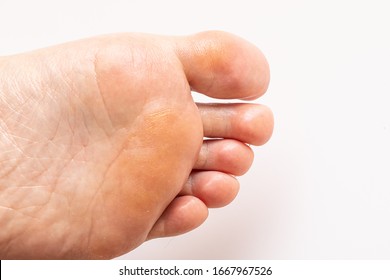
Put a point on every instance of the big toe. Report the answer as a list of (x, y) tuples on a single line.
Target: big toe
[(223, 66)]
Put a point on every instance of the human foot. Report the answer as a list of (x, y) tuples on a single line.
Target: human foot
[(99, 136)]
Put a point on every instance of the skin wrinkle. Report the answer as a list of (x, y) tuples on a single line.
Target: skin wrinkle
[(59, 178), (73, 109), (55, 182), (50, 139), (36, 207), (216, 123), (13, 112), (92, 203), (102, 215), (95, 67), (22, 153), (12, 169), (189, 184), (15, 237), (99, 187), (104, 69), (15, 145), (42, 170), (205, 155), (44, 218), (89, 236)]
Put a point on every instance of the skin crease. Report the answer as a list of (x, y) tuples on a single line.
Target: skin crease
[(103, 146)]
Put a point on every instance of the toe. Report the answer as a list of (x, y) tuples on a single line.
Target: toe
[(228, 156), (248, 123), (184, 214), (222, 65), (215, 189)]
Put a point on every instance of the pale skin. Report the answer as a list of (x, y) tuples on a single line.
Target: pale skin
[(102, 146)]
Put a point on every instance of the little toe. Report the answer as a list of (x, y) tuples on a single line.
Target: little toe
[(228, 156), (182, 215), (215, 189), (248, 123), (223, 66)]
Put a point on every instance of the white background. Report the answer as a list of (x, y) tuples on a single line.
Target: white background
[(321, 187)]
